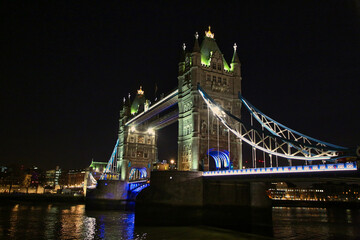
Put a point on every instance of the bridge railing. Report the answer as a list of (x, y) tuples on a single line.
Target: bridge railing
[(336, 167)]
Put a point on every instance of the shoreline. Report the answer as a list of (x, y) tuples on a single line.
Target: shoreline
[(316, 204), (81, 199), (33, 197)]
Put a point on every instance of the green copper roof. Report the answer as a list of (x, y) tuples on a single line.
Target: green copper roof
[(95, 164), (137, 103), (209, 45)]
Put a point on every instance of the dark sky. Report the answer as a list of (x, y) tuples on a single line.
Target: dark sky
[(66, 65)]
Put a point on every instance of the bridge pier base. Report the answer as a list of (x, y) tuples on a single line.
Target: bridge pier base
[(186, 198), (109, 194)]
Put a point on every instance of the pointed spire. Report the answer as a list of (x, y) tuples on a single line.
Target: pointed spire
[(235, 58), (196, 44), (182, 53), (128, 102)]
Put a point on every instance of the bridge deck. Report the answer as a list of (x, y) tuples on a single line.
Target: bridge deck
[(288, 170), (155, 109)]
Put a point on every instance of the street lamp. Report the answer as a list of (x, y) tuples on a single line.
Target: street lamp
[(172, 164)]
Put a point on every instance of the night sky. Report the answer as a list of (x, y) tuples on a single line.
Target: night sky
[(66, 67)]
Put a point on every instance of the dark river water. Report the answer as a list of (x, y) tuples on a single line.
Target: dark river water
[(72, 221)]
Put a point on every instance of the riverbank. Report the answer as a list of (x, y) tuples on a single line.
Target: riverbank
[(111, 204), (317, 204), (42, 198)]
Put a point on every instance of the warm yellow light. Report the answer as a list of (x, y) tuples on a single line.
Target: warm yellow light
[(209, 34), (140, 91), (132, 129), (151, 131)]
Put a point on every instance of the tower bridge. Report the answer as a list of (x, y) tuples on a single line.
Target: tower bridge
[(215, 122)]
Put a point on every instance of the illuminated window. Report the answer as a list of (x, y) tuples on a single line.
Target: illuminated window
[(141, 139)]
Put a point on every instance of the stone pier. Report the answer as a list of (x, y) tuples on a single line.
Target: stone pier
[(187, 198), (109, 194)]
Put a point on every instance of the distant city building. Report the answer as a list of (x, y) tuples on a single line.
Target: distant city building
[(161, 166), (288, 191), (340, 191), (76, 178), (317, 192), (52, 177)]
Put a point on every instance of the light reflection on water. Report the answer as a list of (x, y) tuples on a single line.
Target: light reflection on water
[(70, 221), (316, 223)]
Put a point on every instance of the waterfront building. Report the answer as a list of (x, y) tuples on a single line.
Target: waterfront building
[(75, 178), (52, 177), (316, 192)]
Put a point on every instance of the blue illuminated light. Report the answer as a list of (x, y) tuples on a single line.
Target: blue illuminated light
[(142, 172), (292, 169), (221, 158), (138, 186)]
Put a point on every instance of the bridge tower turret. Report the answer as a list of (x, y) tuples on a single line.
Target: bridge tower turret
[(124, 116), (198, 132), (137, 143)]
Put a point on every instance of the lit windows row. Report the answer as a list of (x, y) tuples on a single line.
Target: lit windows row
[(215, 79), (140, 139), (139, 154)]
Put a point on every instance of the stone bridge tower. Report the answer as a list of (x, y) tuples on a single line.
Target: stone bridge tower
[(137, 149), (206, 66)]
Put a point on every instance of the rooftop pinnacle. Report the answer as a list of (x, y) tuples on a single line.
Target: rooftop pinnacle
[(209, 34)]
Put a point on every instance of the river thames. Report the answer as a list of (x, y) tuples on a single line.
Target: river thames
[(71, 221)]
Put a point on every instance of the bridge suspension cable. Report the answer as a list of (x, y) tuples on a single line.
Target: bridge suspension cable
[(278, 140), (281, 130), (111, 166)]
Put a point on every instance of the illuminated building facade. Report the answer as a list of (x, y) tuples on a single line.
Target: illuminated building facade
[(137, 149), (204, 143), (288, 191), (76, 178), (52, 177), (340, 192)]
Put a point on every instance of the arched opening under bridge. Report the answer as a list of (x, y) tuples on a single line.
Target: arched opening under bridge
[(218, 159), (137, 174)]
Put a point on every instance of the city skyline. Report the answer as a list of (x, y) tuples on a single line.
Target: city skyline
[(68, 67)]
